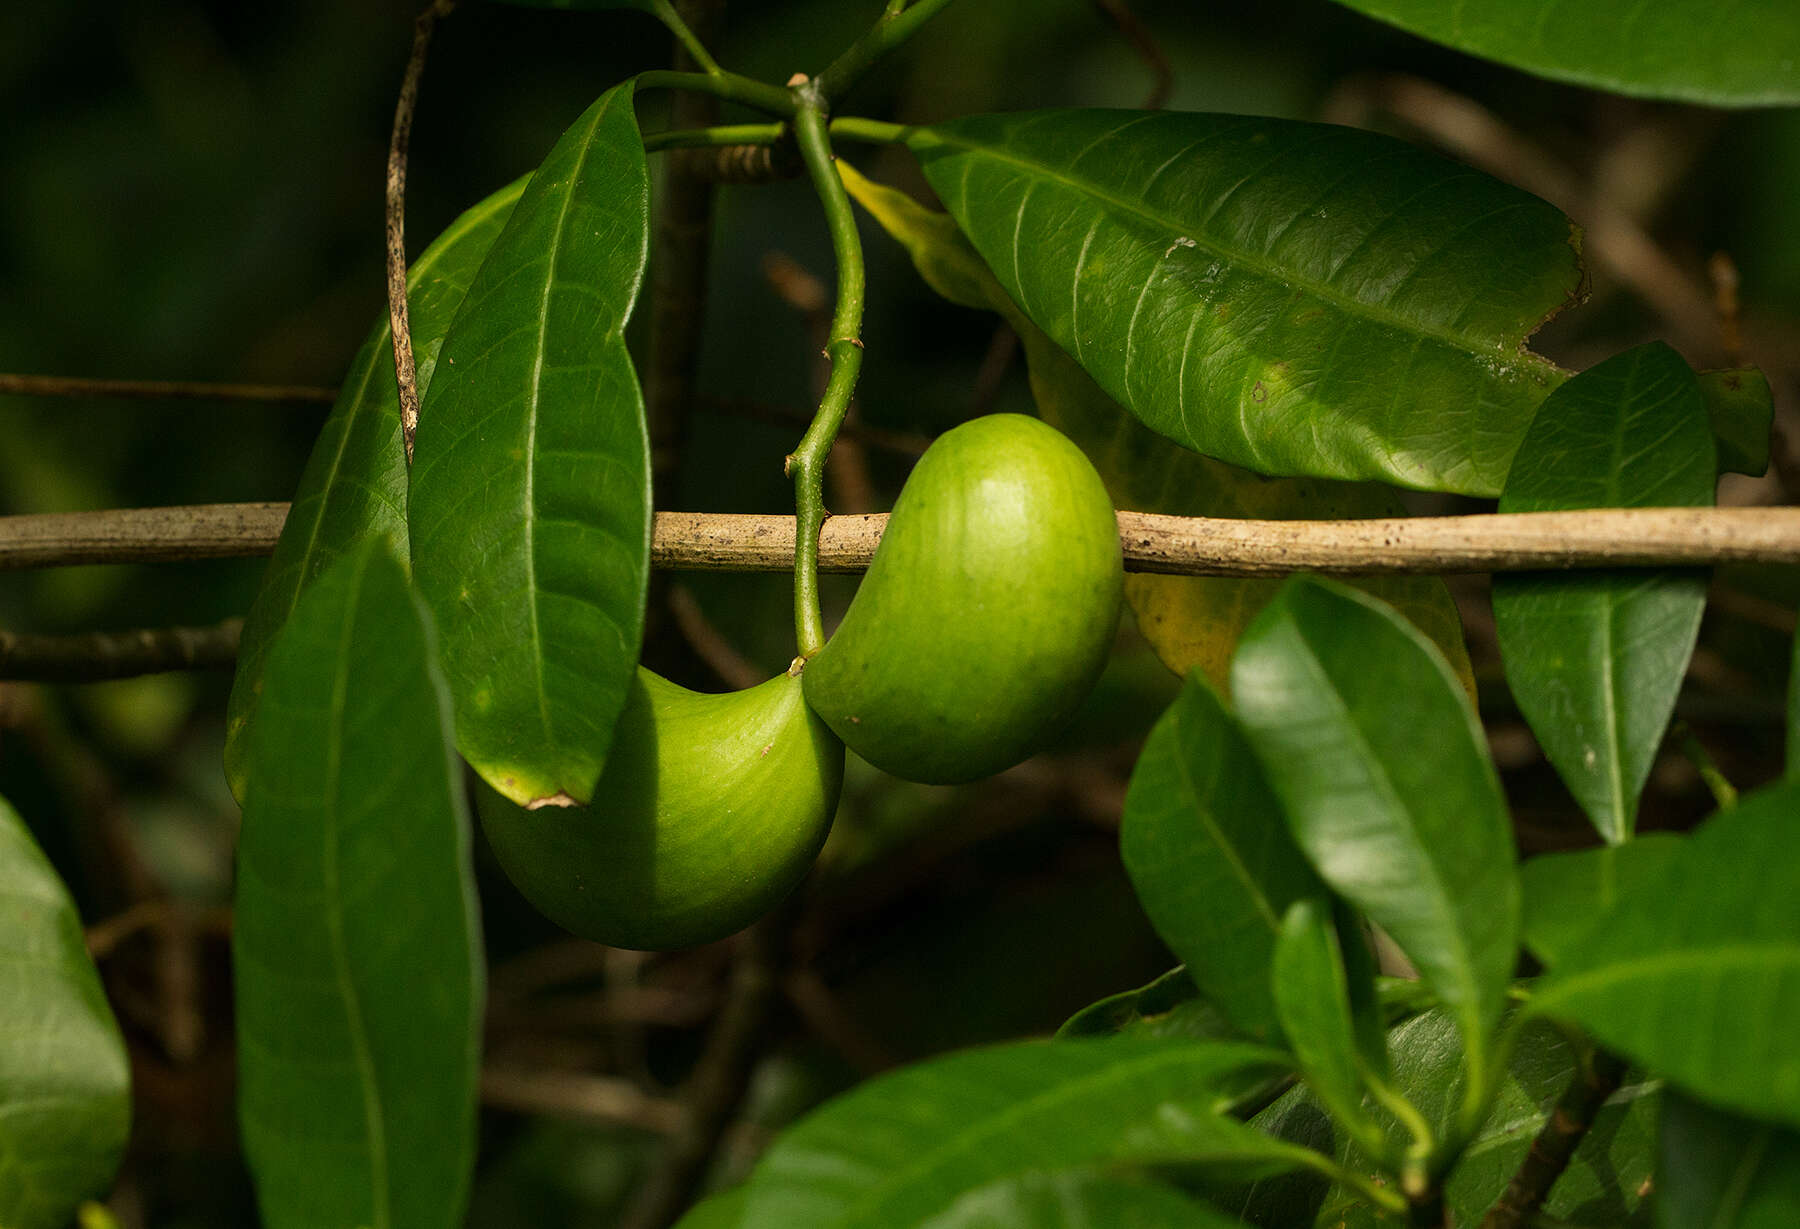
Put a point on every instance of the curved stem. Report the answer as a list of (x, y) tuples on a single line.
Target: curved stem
[(665, 12), (845, 349), (759, 95), (892, 28)]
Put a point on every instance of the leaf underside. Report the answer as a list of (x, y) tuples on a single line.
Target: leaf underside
[(1743, 54), (356, 946)]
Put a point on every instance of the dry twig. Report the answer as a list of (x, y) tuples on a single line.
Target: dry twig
[(1189, 546), (404, 370), (189, 390), (94, 656)]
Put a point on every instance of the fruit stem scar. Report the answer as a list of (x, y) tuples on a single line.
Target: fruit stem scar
[(845, 350)]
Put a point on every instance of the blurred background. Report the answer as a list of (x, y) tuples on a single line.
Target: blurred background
[(193, 191)]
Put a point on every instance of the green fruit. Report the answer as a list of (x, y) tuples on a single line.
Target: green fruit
[(988, 610), (709, 811)]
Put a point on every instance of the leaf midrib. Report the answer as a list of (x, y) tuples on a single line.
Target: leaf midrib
[(374, 1117), (1508, 349), (530, 493), (874, 1200)]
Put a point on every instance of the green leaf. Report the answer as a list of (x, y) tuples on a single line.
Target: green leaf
[(899, 1149), (1696, 972), (1741, 410), (724, 1210), (1567, 893), (1312, 994), (530, 497), (356, 947), (1595, 658), (1601, 1186), (1210, 857), (65, 1084), (1298, 299), (1077, 1201), (1169, 1007), (1189, 620), (354, 485), (1382, 768), (1718, 1171), (1744, 54), (1791, 765)]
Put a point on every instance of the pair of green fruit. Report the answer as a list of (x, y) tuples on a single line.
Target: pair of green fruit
[(985, 618)]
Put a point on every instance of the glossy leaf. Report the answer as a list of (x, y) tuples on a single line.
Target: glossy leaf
[(1743, 54), (1210, 857), (1567, 893), (1603, 1184), (1312, 995), (356, 946), (1076, 1201), (1696, 973), (1169, 1007), (65, 1084), (354, 485), (530, 497), (1294, 298), (1191, 621), (902, 1148), (1382, 768), (1741, 411), (1718, 1171), (1595, 658)]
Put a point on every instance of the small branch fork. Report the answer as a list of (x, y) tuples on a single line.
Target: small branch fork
[(405, 372)]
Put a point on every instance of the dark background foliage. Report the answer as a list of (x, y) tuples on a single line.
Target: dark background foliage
[(193, 191)]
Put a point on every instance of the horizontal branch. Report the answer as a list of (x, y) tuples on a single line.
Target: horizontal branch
[(1195, 546), (189, 390), (89, 657)]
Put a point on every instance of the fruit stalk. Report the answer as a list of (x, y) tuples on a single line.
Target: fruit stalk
[(806, 465)]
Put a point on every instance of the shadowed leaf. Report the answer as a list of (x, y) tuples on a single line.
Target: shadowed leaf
[(356, 947), (354, 486), (65, 1085)]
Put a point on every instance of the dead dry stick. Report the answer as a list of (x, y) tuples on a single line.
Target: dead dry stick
[(184, 390), (405, 373), (1177, 545), (94, 656)]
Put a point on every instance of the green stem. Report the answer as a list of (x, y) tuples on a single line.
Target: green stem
[(845, 349), (665, 13), (759, 95), (869, 131), (1725, 795), (719, 135), (848, 128), (892, 28)]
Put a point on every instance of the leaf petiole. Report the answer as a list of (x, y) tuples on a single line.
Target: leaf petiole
[(664, 11), (896, 24)]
